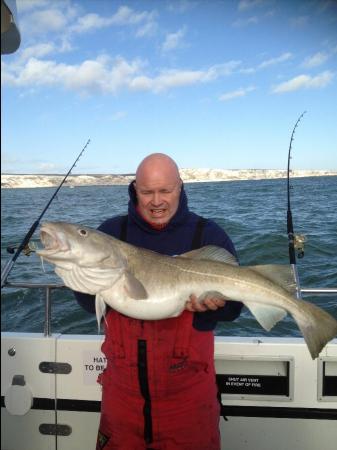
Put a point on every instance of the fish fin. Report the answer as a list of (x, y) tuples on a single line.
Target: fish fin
[(213, 253), (134, 287), (42, 264), (100, 309), (267, 316), (316, 325), (280, 274)]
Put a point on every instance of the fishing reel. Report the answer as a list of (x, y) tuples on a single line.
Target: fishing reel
[(299, 240), (27, 250)]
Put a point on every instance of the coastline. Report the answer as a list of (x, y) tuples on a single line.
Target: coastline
[(9, 181)]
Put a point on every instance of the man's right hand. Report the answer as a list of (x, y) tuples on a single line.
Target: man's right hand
[(207, 304)]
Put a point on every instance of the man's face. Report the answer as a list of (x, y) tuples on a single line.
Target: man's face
[(158, 197)]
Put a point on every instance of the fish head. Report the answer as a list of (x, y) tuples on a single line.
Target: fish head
[(66, 244)]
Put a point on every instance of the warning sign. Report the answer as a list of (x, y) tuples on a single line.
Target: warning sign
[(253, 384), (93, 364)]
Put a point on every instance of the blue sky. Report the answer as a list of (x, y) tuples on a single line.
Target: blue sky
[(214, 84)]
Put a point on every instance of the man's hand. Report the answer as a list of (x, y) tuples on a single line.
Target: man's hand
[(208, 303)]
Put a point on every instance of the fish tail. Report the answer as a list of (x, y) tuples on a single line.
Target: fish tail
[(317, 326)]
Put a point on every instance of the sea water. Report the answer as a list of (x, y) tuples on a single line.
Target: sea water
[(252, 212)]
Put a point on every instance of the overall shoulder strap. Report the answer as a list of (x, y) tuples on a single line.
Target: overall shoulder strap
[(124, 228), (196, 241)]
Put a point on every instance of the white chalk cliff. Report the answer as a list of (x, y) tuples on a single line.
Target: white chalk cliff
[(187, 175)]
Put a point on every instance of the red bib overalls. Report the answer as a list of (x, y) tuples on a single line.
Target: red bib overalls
[(159, 389)]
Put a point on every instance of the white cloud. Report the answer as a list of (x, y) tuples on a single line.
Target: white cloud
[(124, 16), (46, 21), (315, 60), (219, 70), (37, 51), (19, 164), (327, 5), (245, 5), (101, 74), (304, 82), (24, 5), (127, 16), (106, 75), (64, 18), (42, 17), (182, 6), (173, 40), (253, 20), (46, 167), (90, 22), (250, 7), (274, 61), (268, 63), (242, 92), (147, 30), (299, 22), (118, 115), (169, 79)]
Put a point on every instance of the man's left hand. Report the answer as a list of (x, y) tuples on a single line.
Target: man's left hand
[(208, 303)]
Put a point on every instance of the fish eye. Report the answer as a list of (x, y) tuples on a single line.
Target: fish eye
[(82, 232)]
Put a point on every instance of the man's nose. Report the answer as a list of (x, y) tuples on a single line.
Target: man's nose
[(156, 198)]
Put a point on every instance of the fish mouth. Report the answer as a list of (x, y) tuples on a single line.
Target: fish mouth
[(53, 241)]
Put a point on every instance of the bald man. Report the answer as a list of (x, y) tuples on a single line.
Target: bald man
[(159, 390)]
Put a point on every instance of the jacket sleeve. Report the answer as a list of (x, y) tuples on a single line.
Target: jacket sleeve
[(113, 228), (206, 321)]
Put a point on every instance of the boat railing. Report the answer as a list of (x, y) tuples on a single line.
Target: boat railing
[(49, 287)]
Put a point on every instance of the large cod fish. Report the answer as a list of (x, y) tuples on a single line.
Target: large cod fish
[(147, 285)]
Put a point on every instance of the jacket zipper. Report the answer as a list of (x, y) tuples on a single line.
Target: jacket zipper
[(144, 389)]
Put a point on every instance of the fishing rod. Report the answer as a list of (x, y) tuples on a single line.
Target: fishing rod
[(295, 242), (24, 244)]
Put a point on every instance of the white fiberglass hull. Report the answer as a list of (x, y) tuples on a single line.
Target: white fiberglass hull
[(274, 395)]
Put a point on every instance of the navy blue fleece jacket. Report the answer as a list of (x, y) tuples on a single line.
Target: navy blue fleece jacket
[(174, 239)]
